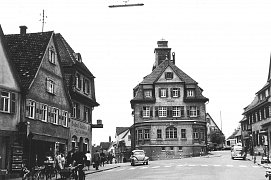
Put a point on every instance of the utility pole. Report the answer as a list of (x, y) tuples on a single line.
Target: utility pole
[(43, 20)]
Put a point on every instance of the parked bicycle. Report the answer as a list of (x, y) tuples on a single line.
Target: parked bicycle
[(35, 174), (73, 172)]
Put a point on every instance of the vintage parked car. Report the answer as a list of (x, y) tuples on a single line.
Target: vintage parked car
[(139, 157), (238, 151)]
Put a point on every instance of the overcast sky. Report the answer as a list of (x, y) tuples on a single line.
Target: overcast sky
[(224, 45)]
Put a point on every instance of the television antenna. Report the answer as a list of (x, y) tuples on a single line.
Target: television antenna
[(43, 19), (125, 4)]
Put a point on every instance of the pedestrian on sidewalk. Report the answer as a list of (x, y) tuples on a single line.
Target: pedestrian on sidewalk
[(96, 158), (88, 155), (102, 158)]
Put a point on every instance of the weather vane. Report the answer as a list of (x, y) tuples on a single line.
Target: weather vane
[(126, 4), (43, 20)]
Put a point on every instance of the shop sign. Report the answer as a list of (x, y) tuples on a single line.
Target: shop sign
[(80, 128)]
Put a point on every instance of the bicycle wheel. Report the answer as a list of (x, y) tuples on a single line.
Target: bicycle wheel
[(41, 175)]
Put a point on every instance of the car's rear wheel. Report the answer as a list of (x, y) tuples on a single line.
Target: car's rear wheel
[(132, 163), (147, 162)]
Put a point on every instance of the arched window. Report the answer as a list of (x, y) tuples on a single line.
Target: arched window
[(171, 132)]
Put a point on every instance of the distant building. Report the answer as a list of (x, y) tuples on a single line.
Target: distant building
[(257, 122), (169, 111), (123, 144), (234, 138), (214, 131)]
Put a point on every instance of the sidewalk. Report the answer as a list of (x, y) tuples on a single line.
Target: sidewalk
[(92, 170), (258, 161), (104, 168)]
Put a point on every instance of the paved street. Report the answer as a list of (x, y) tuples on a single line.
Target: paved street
[(218, 166)]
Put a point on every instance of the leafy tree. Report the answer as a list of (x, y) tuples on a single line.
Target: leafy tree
[(217, 137)]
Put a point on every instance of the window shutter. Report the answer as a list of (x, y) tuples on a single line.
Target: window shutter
[(79, 82), (27, 108), (151, 111), (49, 114), (166, 92), (198, 112), (156, 111), (141, 113), (60, 117), (84, 85), (171, 92), (13, 103), (46, 84), (169, 111), (188, 111), (1, 102), (178, 92), (77, 111), (88, 87), (42, 111), (37, 110), (159, 92)]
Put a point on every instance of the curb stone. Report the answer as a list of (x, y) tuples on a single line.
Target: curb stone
[(101, 170)]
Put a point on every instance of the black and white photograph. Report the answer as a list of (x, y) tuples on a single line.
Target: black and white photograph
[(135, 89)]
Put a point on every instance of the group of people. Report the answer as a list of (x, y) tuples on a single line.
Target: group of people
[(76, 157)]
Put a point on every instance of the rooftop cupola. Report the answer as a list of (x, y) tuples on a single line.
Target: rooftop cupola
[(162, 52)]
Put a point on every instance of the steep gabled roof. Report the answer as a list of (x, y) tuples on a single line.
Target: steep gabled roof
[(207, 114), (67, 54), (156, 73), (233, 134), (120, 130), (8, 55), (27, 52)]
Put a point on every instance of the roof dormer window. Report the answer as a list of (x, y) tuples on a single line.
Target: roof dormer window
[(78, 57), (190, 93), (169, 75)]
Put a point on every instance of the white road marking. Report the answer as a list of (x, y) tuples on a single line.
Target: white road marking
[(131, 168), (180, 165), (229, 165), (192, 165), (167, 166), (155, 167), (255, 166), (216, 165), (143, 167), (242, 166), (121, 169)]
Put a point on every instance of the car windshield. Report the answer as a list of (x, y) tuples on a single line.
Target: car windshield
[(139, 153)]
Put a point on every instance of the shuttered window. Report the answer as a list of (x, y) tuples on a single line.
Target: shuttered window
[(30, 108), (7, 102)]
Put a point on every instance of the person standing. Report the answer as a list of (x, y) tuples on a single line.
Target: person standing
[(88, 160), (79, 159), (96, 158), (102, 158)]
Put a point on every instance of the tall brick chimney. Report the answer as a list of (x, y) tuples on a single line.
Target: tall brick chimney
[(23, 30)]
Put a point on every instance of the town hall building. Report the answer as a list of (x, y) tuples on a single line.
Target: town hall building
[(169, 111)]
